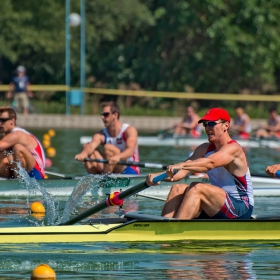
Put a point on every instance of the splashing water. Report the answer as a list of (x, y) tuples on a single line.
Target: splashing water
[(32, 185), (87, 183), (91, 182), (83, 186)]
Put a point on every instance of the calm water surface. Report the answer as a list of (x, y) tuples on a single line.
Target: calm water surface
[(175, 260)]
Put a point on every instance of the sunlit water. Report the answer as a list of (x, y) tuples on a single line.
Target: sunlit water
[(173, 260)]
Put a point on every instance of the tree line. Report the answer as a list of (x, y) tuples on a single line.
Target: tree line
[(216, 46)]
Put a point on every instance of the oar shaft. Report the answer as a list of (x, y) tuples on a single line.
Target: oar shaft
[(131, 163), (96, 208), (151, 197), (104, 204), (122, 195), (55, 174)]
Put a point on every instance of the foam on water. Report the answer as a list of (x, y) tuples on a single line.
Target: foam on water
[(31, 184), (86, 184)]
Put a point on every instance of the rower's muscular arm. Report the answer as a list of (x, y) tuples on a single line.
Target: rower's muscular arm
[(229, 156), (89, 148), (176, 171), (8, 141), (224, 157), (17, 137), (131, 142)]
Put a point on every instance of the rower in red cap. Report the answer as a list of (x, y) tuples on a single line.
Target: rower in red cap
[(230, 194)]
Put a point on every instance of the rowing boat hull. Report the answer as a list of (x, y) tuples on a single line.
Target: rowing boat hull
[(146, 231)]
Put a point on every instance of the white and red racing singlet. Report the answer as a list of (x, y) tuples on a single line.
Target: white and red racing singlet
[(196, 131), (274, 122), (37, 153), (119, 142), (241, 121), (239, 187)]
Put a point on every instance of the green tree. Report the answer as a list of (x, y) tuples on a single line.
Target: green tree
[(209, 45)]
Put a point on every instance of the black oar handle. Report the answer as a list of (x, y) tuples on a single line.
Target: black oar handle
[(131, 163), (122, 195)]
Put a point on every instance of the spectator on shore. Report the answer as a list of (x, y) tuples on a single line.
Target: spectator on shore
[(119, 142), (272, 129), (189, 124), (241, 124), (19, 89), (19, 146)]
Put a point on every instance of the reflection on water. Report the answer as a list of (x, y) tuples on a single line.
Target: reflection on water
[(149, 261), (165, 260)]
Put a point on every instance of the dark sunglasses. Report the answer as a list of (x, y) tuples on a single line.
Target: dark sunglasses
[(106, 114), (3, 120), (210, 124)]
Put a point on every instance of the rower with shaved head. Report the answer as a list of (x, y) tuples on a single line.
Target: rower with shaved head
[(230, 194)]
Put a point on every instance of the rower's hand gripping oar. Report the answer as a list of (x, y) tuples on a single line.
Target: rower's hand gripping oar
[(115, 198), (131, 163)]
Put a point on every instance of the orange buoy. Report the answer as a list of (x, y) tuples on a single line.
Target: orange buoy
[(46, 136), (51, 132), (51, 152), (43, 271), (37, 207), (38, 216), (46, 143)]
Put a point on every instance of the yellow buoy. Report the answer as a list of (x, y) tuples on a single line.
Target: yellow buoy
[(46, 143), (43, 271), (51, 132), (46, 137), (37, 207), (38, 216), (51, 152)]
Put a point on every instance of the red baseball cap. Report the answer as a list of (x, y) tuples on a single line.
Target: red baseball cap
[(215, 114)]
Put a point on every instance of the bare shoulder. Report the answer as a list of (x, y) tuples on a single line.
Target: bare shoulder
[(232, 148), (19, 134), (98, 136), (131, 131), (201, 150), (19, 137)]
